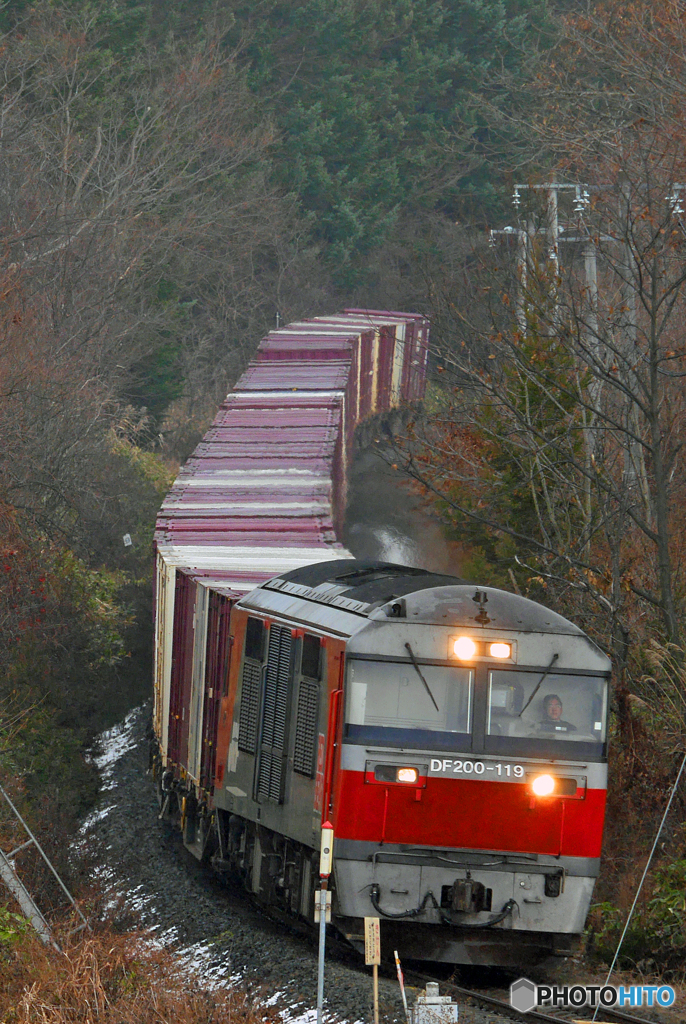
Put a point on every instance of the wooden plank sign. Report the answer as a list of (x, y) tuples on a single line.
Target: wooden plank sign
[(372, 940)]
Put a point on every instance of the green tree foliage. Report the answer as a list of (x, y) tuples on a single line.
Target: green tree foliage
[(66, 633), (656, 938), (12, 927), (382, 107)]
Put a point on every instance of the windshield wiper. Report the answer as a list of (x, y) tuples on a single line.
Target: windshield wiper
[(538, 684), (418, 671)]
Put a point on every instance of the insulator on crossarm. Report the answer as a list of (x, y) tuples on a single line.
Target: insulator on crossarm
[(675, 201), (582, 200)]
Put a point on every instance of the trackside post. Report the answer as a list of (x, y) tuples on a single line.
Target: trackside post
[(372, 955), (325, 864), (401, 982)]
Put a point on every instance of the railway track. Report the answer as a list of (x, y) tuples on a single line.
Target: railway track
[(340, 951), (503, 1007)]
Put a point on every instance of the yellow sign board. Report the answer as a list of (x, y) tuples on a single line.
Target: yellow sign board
[(372, 940)]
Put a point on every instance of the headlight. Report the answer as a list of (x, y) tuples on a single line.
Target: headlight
[(464, 648), (470, 648), (543, 785), (391, 773)]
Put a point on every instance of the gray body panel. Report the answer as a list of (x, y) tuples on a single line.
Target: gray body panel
[(294, 816), (403, 886)]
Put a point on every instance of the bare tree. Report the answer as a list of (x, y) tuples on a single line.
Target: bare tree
[(558, 446), (135, 215)]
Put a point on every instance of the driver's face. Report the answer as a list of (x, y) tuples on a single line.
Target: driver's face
[(554, 710)]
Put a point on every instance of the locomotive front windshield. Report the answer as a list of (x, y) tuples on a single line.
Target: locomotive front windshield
[(546, 709), (394, 703), (515, 712)]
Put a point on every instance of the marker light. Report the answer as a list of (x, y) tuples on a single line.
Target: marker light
[(407, 774), (500, 650), (326, 853), (543, 785), (464, 648)]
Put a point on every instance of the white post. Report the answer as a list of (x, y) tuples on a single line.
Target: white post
[(325, 864), (401, 982)]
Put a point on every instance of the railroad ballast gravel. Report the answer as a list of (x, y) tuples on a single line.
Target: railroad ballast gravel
[(161, 887)]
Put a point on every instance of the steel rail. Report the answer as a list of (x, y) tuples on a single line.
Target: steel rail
[(338, 945), (532, 1015)]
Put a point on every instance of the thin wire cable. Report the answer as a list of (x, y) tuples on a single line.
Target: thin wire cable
[(643, 878)]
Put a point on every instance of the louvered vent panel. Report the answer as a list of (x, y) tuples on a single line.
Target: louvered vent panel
[(275, 778), (250, 708), (275, 714), (306, 727), (281, 695)]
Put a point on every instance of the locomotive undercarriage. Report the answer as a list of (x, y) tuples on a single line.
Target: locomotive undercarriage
[(280, 872), (500, 915), (454, 945)]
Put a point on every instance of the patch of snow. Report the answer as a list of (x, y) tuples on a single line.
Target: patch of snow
[(94, 817), (198, 960), (201, 959), (308, 1017), (111, 746)]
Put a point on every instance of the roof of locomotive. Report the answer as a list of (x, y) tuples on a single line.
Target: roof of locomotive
[(368, 582), (385, 590), (372, 604)]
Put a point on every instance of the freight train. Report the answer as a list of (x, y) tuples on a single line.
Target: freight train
[(453, 734)]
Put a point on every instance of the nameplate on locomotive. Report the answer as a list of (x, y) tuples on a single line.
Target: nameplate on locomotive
[(491, 769)]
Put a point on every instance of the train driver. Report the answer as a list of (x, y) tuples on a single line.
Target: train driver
[(552, 716)]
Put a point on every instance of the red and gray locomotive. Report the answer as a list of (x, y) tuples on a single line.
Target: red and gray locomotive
[(409, 710)]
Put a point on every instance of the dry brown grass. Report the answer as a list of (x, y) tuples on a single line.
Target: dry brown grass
[(110, 979)]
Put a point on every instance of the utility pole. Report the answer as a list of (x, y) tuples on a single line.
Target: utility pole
[(635, 473), (25, 901), (553, 234)]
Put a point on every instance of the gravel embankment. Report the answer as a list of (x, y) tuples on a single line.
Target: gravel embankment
[(216, 928)]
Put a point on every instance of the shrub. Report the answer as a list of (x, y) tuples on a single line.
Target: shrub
[(655, 941), (116, 979)]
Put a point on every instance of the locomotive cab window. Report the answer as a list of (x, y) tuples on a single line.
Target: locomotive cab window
[(415, 706), (545, 711), (310, 657), (251, 685), (254, 639)]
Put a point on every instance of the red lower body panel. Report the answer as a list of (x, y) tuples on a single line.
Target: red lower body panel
[(470, 814)]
